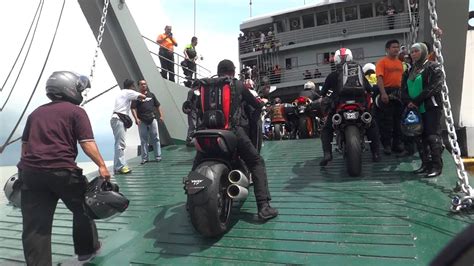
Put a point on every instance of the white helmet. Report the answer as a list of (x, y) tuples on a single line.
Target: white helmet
[(368, 66), (343, 55), (309, 85), (12, 190)]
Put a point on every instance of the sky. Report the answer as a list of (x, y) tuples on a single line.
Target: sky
[(217, 27)]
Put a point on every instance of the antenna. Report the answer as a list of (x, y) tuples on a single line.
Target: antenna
[(250, 6)]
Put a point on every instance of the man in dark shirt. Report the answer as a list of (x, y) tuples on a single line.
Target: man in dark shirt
[(144, 113), (245, 148), (49, 171)]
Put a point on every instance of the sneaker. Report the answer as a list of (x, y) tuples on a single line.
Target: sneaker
[(124, 170), (89, 257), (144, 161), (266, 212), (158, 159), (326, 159)]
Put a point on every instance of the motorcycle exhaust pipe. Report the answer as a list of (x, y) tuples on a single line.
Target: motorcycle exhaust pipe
[(366, 118), (238, 178), (237, 192), (336, 119)]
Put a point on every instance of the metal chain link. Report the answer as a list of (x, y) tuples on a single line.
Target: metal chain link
[(413, 25), (458, 202), (103, 20)]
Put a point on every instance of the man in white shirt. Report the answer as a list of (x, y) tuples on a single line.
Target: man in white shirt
[(120, 124)]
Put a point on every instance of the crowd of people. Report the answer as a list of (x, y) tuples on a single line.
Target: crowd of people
[(259, 41)]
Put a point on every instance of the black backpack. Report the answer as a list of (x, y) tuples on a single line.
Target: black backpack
[(351, 80), (219, 103)]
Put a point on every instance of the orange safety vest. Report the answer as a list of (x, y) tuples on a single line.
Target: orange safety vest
[(167, 42)]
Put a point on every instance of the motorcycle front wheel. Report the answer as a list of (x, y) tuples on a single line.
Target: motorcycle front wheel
[(353, 150), (210, 208)]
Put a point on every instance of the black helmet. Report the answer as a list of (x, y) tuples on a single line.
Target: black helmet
[(12, 190), (411, 125), (66, 86), (103, 199)]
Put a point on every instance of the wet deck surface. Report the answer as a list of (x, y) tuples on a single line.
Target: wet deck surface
[(388, 216)]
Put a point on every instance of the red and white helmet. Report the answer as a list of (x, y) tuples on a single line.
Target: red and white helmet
[(343, 55)]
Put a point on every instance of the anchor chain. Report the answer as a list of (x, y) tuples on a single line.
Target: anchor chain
[(413, 24), (103, 20), (464, 201)]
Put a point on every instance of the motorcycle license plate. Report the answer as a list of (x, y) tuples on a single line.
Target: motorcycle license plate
[(351, 115)]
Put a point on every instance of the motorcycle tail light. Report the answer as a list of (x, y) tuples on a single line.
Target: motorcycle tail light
[(210, 144), (350, 107), (301, 100)]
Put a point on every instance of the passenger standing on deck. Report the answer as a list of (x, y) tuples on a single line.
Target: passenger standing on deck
[(144, 114), (422, 86), (118, 122), (389, 72), (167, 43), (189, 65), (49, 171)]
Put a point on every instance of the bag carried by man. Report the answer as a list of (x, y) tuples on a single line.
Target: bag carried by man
[(126, 120)]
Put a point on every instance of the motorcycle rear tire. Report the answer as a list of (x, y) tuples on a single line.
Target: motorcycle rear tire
[(210, 208), (353, 150), (277, 131), (302, 129)]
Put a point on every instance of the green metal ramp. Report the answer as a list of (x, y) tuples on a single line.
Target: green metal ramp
[(388, 216)]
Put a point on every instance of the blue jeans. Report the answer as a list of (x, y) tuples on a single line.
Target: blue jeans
[(152, 132), (119, 148)]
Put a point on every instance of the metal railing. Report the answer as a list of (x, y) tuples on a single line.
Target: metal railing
[(298, 73), (201, 71), (317, 33)]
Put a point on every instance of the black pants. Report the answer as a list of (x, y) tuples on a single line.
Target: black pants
[(40, 193), (191, 125), (390, 117), (430, 146), (189, 69), (254, 162), (327, 134), (167, 64)]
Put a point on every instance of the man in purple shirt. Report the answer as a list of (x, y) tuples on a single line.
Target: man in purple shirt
[(49, 171)]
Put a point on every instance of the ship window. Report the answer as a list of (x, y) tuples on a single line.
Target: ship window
[(322, 18), (366, 11), (291, 62), (380, 8), (350, 13), (308, 21), (358, 54), (398, 5), (295, 23), (336, 15), (279, 26)]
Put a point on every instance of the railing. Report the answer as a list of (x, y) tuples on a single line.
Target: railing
[(298, 73), (201, 72), (342, 29)]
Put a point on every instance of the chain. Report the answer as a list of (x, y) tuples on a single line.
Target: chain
[(103, 19), (413, 24), (463, 186)]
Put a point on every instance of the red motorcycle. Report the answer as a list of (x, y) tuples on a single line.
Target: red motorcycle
[(350, 121), (308, 124), (279, 127)]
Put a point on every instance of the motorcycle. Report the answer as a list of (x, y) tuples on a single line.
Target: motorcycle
[(279, 125), (220, 179), (308, 123), (350, 121)]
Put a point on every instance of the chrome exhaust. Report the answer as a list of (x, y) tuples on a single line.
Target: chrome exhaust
[(336, 119), (366, 117), (236, 177), (237, 192)]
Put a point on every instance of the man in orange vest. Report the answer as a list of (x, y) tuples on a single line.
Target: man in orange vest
[(166, 42)]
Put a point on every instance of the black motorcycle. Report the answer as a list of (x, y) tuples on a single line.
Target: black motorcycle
[(219, 179)]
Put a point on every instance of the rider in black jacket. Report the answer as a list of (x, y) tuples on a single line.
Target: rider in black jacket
[(330, 92), (245, 148)]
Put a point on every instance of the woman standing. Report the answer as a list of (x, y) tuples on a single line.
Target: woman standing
[(421, 89)]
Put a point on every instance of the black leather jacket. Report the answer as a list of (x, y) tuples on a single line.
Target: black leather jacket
[(432, 86)]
